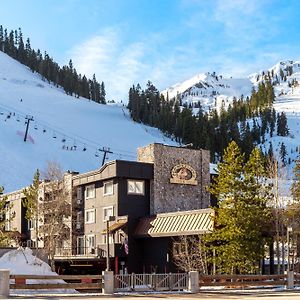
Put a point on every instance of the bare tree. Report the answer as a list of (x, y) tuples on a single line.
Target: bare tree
[(55, 205), (189, 254)]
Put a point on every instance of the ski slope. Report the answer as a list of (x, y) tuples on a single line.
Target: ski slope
[(65, 129)]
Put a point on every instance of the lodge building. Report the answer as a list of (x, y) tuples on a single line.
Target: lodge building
[(133, 209)]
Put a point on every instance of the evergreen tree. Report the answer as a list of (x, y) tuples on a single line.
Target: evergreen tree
[(5, 217), (240, 218), (102, 93), (31, 203), (282, 127), (283, 153)]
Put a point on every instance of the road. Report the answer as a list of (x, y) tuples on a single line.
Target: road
[(293, 295)]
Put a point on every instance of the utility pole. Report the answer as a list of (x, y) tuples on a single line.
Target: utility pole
[(105, 151), (28, 118)]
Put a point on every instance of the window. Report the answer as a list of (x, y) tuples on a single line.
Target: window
[(107, 212), (90, 216), (90, 191), (31, 224), (30, 243), (136, 187), (110, 239), (108, 188), (78, 220), (79, 195), (90, 243)]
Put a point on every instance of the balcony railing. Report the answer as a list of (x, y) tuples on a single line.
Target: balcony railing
[(65, 252)]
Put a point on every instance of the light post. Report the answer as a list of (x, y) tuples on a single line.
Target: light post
[(288, 231), (109, 218)]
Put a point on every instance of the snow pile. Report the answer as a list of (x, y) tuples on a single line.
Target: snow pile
[(22, 262)]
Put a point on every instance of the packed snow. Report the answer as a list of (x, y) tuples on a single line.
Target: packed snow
[(65, 129), (22, 262)]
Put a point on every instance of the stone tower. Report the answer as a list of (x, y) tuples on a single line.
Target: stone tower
[(181, 177)]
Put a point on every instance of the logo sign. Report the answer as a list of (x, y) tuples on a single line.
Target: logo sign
[(183, 174)]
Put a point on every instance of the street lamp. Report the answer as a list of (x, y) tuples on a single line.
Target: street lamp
[(109, 218), (288, 231)]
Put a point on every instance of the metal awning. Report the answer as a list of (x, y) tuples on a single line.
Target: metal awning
[(115, 226), (176, 224)]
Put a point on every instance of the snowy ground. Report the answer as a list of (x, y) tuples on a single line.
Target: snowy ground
[(22, 262), (65, 129)]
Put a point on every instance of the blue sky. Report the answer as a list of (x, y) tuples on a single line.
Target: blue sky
[(166, 41)]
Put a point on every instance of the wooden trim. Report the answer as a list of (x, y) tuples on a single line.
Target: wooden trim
[(77, 286), (65, 277)]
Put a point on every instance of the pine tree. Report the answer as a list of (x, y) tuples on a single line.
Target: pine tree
[(283, 153), (240, 219), (31, 203), (282, 127), (5, 217), (102, 93)]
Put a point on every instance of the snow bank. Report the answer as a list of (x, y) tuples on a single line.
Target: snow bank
[(22, 262)]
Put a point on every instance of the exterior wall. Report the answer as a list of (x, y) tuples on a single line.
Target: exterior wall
[(170, 197), (15, 199), (98, 203)]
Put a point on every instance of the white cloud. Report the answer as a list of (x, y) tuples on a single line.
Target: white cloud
[(118, 64)]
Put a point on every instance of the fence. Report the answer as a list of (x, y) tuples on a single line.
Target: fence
[(78, 282), (242, 281), (110, 283), (148, 282)]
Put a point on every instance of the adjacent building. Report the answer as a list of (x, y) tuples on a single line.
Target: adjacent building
[(133, 210)]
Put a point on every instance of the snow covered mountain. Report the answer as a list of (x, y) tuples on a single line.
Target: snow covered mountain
[(213, 91), (210, 90), (74, 132), (64, 129)]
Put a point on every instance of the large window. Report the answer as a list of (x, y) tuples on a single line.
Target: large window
[(90, 243), (108, 188), (90, 191), (136, 187), (90, 216), (107, 212)]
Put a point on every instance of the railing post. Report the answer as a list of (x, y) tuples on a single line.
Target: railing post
[(108, 286), (133, 281), (193, 285), (4, 283), (290, 280)]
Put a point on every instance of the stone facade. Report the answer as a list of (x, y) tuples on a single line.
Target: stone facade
[(171, 192)]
